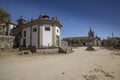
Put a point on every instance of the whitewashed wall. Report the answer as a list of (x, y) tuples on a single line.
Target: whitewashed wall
[(35, 36), (11, 26), (47, 36)]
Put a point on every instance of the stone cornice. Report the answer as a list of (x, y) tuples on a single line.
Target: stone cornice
[(40, 22)]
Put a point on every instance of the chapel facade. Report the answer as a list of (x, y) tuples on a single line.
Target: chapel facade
[(41, 32)]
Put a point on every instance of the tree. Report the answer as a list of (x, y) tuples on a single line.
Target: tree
[(4, 16), (111, 42), (75, 42)]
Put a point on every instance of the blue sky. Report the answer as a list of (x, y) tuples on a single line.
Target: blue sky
[(76, 16)]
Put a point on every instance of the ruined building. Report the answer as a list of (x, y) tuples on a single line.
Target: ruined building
[(6, 34)]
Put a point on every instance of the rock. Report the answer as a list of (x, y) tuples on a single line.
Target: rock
[(90, 48)]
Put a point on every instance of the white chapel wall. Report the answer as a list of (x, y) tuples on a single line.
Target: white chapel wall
[(11, 26), (47, 36)]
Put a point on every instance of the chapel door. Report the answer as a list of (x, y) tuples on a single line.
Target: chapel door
[(24, 42)]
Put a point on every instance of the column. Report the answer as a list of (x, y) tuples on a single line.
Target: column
[(38, 36), (53, 36), (31, 35), (41, 36)]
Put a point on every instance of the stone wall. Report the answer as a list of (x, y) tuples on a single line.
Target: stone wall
[(6, 42), (3, 29)]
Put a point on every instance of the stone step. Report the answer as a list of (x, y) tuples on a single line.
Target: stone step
[(65, 48)]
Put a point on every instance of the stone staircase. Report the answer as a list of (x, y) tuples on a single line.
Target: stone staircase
[(64, 48)]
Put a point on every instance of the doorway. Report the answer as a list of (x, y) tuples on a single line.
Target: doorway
[(83, 44), (24, 42)]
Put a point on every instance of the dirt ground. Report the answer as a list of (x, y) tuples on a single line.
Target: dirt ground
[(101, 64)]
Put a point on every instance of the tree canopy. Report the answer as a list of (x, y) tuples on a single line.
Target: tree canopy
[(111, 42), (4, 16)]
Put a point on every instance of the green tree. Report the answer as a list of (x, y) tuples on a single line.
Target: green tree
[(114, 42), (78, 41), (111, 42), (4, 16)]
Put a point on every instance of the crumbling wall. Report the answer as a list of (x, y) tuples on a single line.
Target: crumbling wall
[(3, 29), (6, 42)]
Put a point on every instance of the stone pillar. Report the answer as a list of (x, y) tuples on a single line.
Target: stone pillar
[(31, 35), (54, 36), (38, 36), (41, 36)]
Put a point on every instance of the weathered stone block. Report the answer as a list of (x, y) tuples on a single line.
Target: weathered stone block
[(6, 41)]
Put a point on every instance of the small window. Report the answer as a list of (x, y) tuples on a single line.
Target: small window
[(34, 29), (47, 28), (24, 33), (57, 30)]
